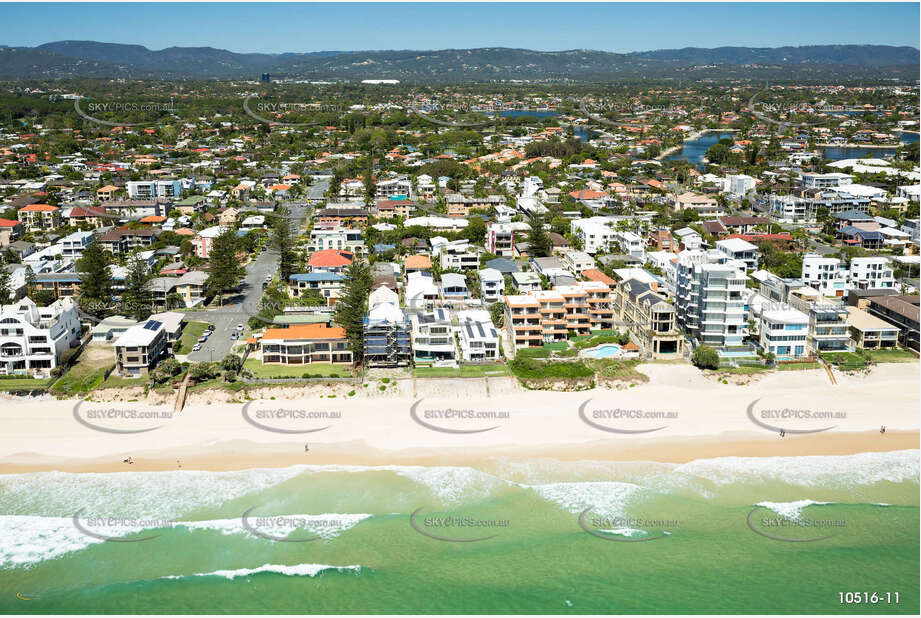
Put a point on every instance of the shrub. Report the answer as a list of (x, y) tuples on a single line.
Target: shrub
[(705, 357)]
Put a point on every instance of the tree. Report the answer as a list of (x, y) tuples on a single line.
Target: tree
[(350, 310), (705, 357), (497, 314), (135, 297), (226, 271), (6, 295), (538, 238), (475, 231), (283, 241), (95, 280)]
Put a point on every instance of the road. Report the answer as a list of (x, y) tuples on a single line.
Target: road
[(238, 308)]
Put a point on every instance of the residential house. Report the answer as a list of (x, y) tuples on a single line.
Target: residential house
[(387, 338), (33, 339), (477, 336), (783, 332), (492, 285), (649, 317), (433, 335), (303, 344), (141, 348), (869, 331)]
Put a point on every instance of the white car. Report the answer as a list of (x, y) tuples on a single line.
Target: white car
[(239, 327), (196, 347)]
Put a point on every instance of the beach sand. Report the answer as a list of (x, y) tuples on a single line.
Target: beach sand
[(683, 416)]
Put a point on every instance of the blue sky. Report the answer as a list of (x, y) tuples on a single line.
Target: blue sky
[(618, 27)]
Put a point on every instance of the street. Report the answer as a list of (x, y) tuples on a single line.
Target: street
[(239, 307)]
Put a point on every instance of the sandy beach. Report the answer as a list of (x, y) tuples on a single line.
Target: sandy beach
[(679, 415)]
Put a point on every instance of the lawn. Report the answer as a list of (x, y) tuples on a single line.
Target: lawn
[(88, 372), (190, 335), (892, 355), (798, 366), (295, 371), (620, 370), (533, 369), (845, 360), (465, 371), (23, 384), (745, 369)]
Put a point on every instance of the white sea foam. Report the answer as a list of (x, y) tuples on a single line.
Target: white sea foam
[(308, 570), (631, 533), (605, 498), (28, 539), (790, 510)]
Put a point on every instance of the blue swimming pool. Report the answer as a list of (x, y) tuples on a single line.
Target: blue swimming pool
[(604, 351)]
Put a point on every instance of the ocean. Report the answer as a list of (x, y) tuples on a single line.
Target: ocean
[(726, 535)]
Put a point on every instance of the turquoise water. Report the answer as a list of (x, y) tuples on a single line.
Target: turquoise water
[(694, 150), (604, 351), (511, 539)]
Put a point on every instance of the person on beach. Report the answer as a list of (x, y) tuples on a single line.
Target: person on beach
[(782, 433), (306, 447), (882, 429)]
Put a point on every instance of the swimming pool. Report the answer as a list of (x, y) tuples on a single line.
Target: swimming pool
[(604, 351)]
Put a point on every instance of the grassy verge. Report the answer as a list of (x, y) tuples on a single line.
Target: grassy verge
[(532, 369), (87, 373), (464, 371), (190, 335), (617, 370), (892, 355), (295, 371), (745, 369), (23, 384), (798, 366)]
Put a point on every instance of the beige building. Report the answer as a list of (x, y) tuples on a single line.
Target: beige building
[(649, 317)]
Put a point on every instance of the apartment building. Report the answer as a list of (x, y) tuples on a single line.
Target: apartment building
[(460, 206), (477, 336), (141, 348), (783, 332), (741, 250), (432, 335), (901, 311), (600, 303), (826, 181), (349, 217), (74, 244), (33, 339), (392, 208), (340, 238), (329, 285), (630, 243), (828, 330), (710, 298), (38, 217), (871, 273), (459, 254), (151, 189), (706, 207), (870, 332), (303, 344), (649, 317), (500, 239), (575, 307), (594, 234), (393, 187), (823, 274), (204, 240), (523, 321)]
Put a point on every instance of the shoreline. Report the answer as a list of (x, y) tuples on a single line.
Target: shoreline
[(681, 415), (238, 456)]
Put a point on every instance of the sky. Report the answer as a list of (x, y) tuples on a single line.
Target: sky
[(616, 27)]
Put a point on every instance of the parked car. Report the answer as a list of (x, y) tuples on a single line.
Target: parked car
[(239, 327), (234, 337), (196, 347)]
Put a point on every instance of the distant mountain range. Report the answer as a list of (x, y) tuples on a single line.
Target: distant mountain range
[(66, 59)]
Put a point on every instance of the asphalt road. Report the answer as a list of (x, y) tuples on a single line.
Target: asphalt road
[(238, 308)]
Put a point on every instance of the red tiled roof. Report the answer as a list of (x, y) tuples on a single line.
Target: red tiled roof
[(330, 258)]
